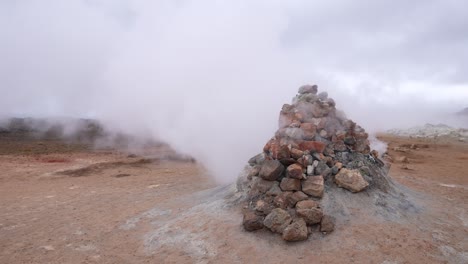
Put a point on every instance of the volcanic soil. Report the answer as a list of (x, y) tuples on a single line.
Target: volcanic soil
[(70, 203)]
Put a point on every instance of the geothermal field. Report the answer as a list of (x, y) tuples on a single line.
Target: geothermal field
[(241, 131), (316, 193)]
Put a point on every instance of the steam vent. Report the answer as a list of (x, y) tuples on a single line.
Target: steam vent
[(316, 168)]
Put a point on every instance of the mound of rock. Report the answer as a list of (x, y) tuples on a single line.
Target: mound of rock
[(315, 155)]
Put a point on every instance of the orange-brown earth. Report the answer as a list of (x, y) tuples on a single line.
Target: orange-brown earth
[(62, 203)]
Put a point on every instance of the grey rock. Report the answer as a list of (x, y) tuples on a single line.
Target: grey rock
[(313, 89), (271, 170)]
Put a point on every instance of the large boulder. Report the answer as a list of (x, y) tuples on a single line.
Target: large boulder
[(351, 180), (277, 220), (313, 186), (297, 231), (271, 170)]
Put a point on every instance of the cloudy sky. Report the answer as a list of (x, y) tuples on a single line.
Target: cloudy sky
[(210, 76)]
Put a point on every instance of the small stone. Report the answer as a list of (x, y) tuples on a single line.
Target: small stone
[(254, 171), (314, 186), (296, 153), (308, 131), (297, 231), (257, 159), (311, 216), (307, 204), (297, 197), (294, 133), (351, 180), (271, 170), (321, 167), (289, 184), (260, 185), (327, 225), (282, 200), (313, 89), (277, 220), (310, 170), (339, 145), (312, 146), (252, 221), (275, 190), (294, 171), (323, 96), (323, 133)]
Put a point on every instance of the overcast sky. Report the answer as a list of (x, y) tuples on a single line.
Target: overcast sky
[(199, 72)]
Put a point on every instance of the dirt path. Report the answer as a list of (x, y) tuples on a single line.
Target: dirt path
[(82, 206)]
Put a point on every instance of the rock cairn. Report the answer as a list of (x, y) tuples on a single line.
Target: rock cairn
[(315, 146)]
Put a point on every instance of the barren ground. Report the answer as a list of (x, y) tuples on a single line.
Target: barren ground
[(63, 203)]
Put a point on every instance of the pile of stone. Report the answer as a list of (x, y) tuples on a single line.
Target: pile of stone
[(315, 146)]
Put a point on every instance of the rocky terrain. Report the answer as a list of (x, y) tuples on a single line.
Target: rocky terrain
[(435, 132), (315, 154), (68, 201)]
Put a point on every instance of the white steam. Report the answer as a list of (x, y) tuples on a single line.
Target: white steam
[(209, 77)]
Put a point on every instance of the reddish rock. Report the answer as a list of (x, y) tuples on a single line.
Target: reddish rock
[(283, 200), (289, 184), (319, 123), (277, 220), (286, 119), (297, 231), (252, 221), (312, 146), (295, 171), (271, 170), (351, 180), (296, 153), (309, 131), (311, 216), (313, 186), (307, 204), (297, 197), (299, 116)]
